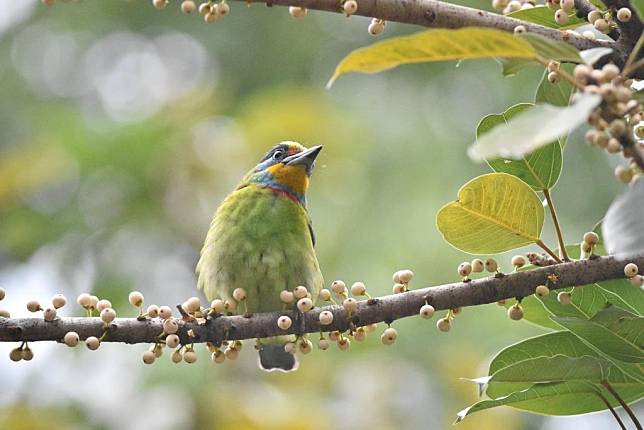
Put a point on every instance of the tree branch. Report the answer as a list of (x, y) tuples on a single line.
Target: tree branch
[(438, 14), (384, 309)]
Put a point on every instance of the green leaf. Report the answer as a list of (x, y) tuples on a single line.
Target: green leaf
[(615, 332), (493, 213), (552, 49), (552, 398), (544, 16), (533, 129), (552, 369), (512, 66), (434, 45), (558, 94), (562, 343), (540, 169)]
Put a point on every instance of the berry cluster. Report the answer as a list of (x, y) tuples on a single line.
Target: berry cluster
[(632, 273)]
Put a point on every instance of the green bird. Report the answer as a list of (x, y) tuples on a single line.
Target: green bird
[(261, 240)]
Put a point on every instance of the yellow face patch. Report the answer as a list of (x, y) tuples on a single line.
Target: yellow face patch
[(294, 177)]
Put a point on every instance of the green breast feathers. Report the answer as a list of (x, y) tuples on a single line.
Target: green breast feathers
[(260, 241)]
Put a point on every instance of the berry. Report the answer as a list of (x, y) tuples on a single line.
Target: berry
[(591, 238), (564, 298), (376, 27), (444, 324), (84, 300), (334, 336), (172, 341), (491, 265), (637, 280), (464, 269), (211, 16), (499, 4), (515, 312), (399, 288), (325, 295), (188, 6), (541, 291), (27, 354), (520, 29), (405, 276), (518, 261), (230, 305), (170, 326), (613, 146), (554, 77), (148, 357), (561, 17), (360, 334), (624, 14), (326, 317), (223, 9), (71, 338), (176, 357), (371, 328), (567, 5), (300, 292), (160, 4), (5, 313), (284, 322), (350, 304), (108, 315), (192, 305), (358, 289), (594, 16), (286, 297), (33, 306), (218, 356), (305, 346), (297, 12), (92, 343), (136, 299), (290, 347), (631, 270), (204, 8), (554, 66), (426, 311), (477, 265), (190, 357), (389, 336), (93, 302), (588, 35), (103, 304), (2, 293), (339, 287), (323, 344), (601, 25), (165, 312), (49, 314), (618, 127), (344, 344), (305, 304), (611, 71), (152, 311), (624, 174), (58, 301), (513, 6), (239, 294), (350, 7), (15, 354)]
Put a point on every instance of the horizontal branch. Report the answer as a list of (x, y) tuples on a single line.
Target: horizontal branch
[(439, 14), (384, 309)]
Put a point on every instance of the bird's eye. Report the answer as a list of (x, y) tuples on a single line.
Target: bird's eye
[(278, 155)]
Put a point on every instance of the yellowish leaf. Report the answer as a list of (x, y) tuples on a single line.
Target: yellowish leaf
[(434, 45), (494, 213)]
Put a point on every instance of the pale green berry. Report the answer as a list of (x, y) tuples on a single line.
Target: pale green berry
[(92, 343), (300, 292), (165, 312), (135, 298), (350, 305), (339, 287), (541, 291), (323, 344), (108, 315), (148, 357), (399, 288), (71, 339), (326, 317), (389, 336), (170, 326), (358, 289), (561, 17), (284, 322), (152, 311), (464, 269), (176, 357), (190, 357), (405, 276), (426, 311), (305, 304), (631, 270), (477, 265), (518, 261), (49, 314), (58, 301), (192, 305), (239, 294), (172, 341), (325, 295), (103, 304), (515, 312), (444, 324), (491, 265), (564, 298)]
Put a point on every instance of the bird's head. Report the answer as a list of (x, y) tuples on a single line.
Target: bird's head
[(285, 168)]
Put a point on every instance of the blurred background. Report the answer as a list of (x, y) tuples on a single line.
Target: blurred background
[(122, 128)]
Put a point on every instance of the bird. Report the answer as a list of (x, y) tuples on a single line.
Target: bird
[(261, 239)]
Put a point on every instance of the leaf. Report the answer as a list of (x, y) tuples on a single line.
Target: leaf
[(551, 345), (558, 94), (623, 225), (552, 398), (512, 66), (540, 169), (615, 332), (544, 16), (434, 45), (592, 55), (552, 49), (493, 213), (533, 129)]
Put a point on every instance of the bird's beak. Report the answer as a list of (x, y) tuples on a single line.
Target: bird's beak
[(304, 158)]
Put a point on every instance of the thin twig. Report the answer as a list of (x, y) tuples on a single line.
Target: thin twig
[(612, 410), (550, 252), (621, 401), (553, 213)]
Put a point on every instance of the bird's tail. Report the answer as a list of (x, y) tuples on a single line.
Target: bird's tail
[(273, 358)]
